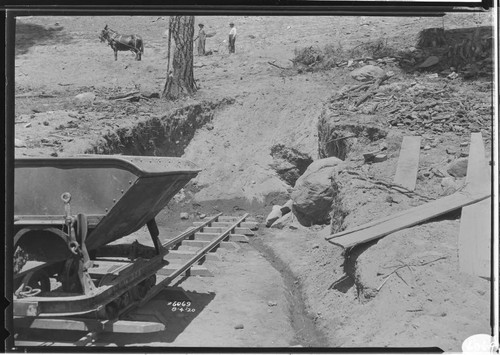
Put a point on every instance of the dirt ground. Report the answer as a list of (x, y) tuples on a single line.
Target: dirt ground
[(278, 287)]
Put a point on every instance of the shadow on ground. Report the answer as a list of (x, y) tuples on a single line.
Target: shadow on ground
[(28, 35), (174, 307)]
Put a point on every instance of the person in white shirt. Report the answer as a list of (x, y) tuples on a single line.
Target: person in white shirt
[(232, 37)]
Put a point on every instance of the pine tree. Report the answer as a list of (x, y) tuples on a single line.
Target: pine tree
[(180, 78)]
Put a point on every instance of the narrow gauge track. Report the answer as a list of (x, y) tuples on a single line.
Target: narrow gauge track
[(126, 285)]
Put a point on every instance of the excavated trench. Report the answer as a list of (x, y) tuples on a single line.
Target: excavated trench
[(160, 136), (169, 136), (307, 333)]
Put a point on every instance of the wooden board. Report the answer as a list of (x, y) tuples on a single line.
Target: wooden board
[(409, 155), (474, 239), (237, 230), (75, 324), (408, 218), (232, 237)]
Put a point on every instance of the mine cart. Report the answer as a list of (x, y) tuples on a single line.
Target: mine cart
[(69, 272), (66, 210)]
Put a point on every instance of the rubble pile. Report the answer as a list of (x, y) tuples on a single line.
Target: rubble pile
[(426, 103), (440, 108)]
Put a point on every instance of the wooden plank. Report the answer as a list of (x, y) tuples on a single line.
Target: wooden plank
[(237, 230), (478, 177), (88, 325), (409, 155), (234, 218), (474, 240), (405, 219), (249, 225), (196, 270), (203, 243), (182, 254), (211, 236), (136, 327), (57, 324), (40, 343)]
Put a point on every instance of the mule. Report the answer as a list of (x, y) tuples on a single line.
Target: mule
[(120, 42)]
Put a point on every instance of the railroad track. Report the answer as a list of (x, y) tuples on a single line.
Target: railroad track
[(128, 285)]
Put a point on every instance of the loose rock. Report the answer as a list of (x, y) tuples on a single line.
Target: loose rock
[(458, 168), (18, 143), (84, 98), (380, 158), (239, 326), (282, 222), (287, 207), (368, 72), (274, 215), (184, 215)]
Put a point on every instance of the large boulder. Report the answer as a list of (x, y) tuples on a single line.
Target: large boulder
[(368, 72), (314, 192)]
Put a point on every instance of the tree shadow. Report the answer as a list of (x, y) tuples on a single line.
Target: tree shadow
[(28, 35)]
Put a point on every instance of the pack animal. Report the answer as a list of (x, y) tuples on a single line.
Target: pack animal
[(120, 42)]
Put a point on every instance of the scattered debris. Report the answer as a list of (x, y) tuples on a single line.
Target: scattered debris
[(395, 271), (387, 185)]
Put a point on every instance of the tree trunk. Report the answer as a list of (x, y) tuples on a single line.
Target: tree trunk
[(180, 79)]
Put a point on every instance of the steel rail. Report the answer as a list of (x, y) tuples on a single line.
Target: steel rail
[(80, 304), (199, 255)]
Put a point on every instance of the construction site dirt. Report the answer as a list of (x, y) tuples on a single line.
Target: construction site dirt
[(296, 92)]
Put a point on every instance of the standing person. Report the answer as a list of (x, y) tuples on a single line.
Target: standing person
[(232, 37), (201, 40)]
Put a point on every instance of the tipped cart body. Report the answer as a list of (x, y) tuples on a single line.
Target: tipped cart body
[(67, 209)]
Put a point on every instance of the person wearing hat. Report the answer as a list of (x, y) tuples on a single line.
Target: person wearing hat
[(232, 37), (200, 46)]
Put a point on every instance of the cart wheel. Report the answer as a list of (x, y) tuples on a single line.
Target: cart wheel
[(111, 310), (150, 282), (70, 280), (124, 300)]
